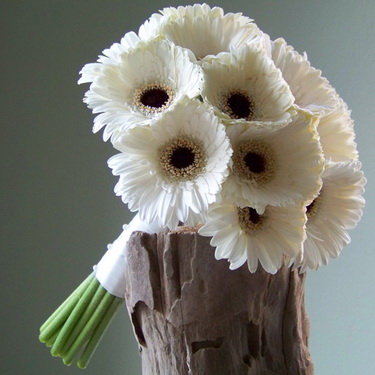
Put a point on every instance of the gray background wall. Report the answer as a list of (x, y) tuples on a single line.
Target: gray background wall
[(58, 211)]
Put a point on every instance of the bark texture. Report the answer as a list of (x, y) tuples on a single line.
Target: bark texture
[(193, 316)]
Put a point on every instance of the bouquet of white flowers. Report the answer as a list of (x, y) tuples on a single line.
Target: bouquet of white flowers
[(219, 127)]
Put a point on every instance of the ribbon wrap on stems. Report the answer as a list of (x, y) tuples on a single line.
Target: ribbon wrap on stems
[(81, 321)]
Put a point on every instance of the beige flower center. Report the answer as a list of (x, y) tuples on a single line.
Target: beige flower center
[(238, 105), (254, 161), (313, 207), (182, 159), (153, 98), (249, 220)]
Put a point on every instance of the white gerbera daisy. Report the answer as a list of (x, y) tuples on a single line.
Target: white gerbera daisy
[(174, 169), (135, 87), (246, 86), (312, 92), (111, 56), (204, 30), (241, 234), (274, 167), (336, 131), (337, 209)]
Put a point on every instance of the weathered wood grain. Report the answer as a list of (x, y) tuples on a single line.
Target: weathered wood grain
[(193, 316)]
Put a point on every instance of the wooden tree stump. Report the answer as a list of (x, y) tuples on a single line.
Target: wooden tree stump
[(193, 316)]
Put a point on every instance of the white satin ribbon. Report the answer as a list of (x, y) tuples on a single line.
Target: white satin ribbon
[(110, 271)]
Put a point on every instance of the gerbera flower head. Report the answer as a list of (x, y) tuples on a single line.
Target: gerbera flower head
[(141, 85), (246, 86), (336, 209), (312, 92), (241, 234), (203, 30), (274, 167), (174, 169), (337, 137)]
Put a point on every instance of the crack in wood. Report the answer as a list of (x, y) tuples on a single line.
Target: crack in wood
[(205, 344), (137, 322)]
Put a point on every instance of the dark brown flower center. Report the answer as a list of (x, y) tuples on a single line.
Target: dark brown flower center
[(154, 97), (238, 105), (255, 162), (182, 157), (253, 215), (249, 219)]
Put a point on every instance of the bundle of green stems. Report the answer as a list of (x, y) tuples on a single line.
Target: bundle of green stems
[(77, 326)]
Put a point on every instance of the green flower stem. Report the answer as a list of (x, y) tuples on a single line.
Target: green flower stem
[(55, 325), (74, 317), (59, 317), (85, 317), (68, 302), (89, 328), (51, 341), (99, 332), (80, 322)]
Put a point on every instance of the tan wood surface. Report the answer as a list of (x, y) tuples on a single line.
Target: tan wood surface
[(193, 316)]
